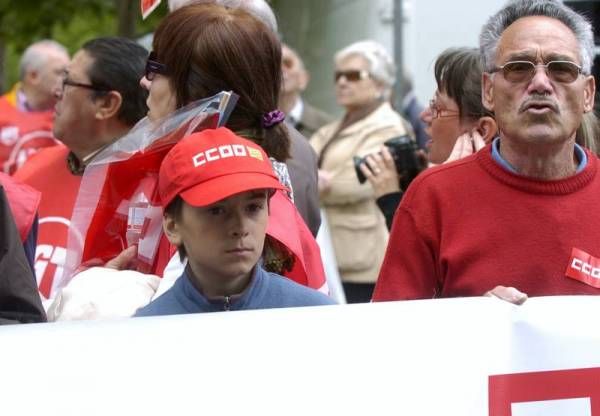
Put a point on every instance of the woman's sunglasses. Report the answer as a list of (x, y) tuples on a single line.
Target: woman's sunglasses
[(154, 67)]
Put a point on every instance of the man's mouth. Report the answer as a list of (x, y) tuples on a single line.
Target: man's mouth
[(539, 107)]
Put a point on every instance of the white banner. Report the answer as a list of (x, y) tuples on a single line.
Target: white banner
[(475, 356)]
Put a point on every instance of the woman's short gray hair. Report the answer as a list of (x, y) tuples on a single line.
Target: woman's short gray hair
[(516, 9), (381, 64)]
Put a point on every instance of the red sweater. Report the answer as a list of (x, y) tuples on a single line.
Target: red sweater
[(468, 226), (22, 134)]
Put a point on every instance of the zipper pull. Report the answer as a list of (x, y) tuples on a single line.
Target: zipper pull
[(227, 304)]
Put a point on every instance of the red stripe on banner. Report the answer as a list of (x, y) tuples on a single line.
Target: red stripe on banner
[(506, 389)]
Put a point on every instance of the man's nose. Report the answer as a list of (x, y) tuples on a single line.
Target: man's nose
[(540, 83)]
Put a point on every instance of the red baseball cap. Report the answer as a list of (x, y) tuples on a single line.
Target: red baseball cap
[(214, 164)]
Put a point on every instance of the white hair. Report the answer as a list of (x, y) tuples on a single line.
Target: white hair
[(517, 9), (257, 8), (36, 55), (381, 64)]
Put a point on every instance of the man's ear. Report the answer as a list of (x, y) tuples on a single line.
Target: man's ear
[(109, 105), (487, 128), (589, 94), (31, 77), (171, 229), (487, 91)]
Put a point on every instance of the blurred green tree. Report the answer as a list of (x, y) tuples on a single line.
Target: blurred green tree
[(71, 23)]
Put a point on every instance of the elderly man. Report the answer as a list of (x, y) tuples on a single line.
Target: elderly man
[(519, 217), (303, 116), (303, 162), (98, 102), (26, 110)]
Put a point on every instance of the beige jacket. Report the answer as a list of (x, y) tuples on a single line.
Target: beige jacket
[(358, 228)]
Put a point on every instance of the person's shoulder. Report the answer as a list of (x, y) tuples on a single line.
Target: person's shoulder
[(315, 117), (172, 302), (448, 178), (288, 293), (42, 160), (325, 132), (384, 120), (165, 304)]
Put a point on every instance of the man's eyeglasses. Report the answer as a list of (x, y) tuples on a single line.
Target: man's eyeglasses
[(351, 76), (154, 67), (523, 71), (66, 81), (437, 112)]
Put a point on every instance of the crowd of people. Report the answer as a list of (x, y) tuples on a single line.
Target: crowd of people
[(488, 191)]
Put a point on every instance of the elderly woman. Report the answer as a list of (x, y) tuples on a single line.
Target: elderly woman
[(364, 75)]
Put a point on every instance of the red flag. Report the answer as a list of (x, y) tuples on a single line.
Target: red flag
[(148, 6), (287, 226), (117, 205)]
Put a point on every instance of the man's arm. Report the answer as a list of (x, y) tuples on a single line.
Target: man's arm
[(409, 269)]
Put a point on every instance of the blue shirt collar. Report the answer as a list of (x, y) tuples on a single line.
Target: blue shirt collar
[(579, 154)]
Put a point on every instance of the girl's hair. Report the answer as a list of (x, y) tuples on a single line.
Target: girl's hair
[(208, 49)]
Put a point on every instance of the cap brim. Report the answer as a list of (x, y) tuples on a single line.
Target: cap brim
[(221, 187)]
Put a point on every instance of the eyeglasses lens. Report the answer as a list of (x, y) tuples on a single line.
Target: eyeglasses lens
[(559, 71)]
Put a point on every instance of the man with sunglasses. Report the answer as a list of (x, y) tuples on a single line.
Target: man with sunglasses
[(520, 216), (98, 101)]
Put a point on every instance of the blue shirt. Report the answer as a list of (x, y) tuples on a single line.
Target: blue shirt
[(265, 291), (579, 154)]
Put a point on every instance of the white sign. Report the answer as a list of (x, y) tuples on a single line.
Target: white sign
[(474, 356)]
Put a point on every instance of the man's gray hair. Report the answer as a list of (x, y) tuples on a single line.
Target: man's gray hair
[(381, 64), (36, 55), (257, 8), (516, 9)]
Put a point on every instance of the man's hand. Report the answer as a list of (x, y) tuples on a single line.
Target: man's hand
[(509, 294), (124, 261)]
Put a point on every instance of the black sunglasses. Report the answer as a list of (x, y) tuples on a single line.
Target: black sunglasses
[(154, 67)]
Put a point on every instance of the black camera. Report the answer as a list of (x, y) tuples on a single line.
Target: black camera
[(408, 164)]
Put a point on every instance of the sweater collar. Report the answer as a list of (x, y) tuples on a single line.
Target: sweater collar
[(579, 155), (557, 187)]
